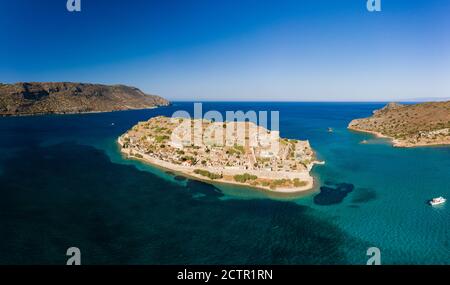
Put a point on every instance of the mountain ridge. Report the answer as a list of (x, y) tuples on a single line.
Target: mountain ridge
[(38, 98)]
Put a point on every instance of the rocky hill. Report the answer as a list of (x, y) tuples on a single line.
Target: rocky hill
[(409, 125), (69, 98)]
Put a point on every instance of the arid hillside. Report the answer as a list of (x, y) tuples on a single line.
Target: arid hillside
[(68, 98), (409, 125)]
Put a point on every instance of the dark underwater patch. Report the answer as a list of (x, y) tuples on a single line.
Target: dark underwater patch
[(363, 195), (208, 190), (180, 178), (72, 195), (333, 195)]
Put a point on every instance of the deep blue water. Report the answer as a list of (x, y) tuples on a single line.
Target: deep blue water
[(63, 183)]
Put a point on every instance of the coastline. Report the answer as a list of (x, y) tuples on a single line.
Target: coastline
[(189, 173), (396, 142), (77, 113), (377, 134)]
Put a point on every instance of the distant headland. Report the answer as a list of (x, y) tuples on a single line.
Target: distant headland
[(36, 98), (167, 143), (423, 124)]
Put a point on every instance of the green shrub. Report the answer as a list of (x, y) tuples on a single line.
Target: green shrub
[(236, 150), (239, 148), (160, 139), (244, 177), (208, 174), (278, 182), (299, 183)]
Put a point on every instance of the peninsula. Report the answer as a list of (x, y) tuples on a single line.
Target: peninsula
[(423, 124), (70, 98), (199, 149)]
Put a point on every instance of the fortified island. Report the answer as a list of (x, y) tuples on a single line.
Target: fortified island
[(423, 124), (38, 98), (239, 153)]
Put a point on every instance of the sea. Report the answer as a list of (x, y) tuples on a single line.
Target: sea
[(64, 183)]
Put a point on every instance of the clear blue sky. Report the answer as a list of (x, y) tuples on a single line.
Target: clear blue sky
[(298, 50)]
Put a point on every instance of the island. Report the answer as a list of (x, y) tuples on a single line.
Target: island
[(37, 98), (411, 125), (198, 148)]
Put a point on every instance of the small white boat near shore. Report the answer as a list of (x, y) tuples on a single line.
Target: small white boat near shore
[(437, 201)]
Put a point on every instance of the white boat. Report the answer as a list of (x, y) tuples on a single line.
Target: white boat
[(438, 201)]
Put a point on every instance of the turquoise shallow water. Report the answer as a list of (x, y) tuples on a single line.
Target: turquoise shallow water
[(64, 183)]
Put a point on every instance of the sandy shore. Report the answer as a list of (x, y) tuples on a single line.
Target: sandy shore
[(189, 172)]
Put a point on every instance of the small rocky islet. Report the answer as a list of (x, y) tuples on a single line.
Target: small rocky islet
[(233, 159)]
